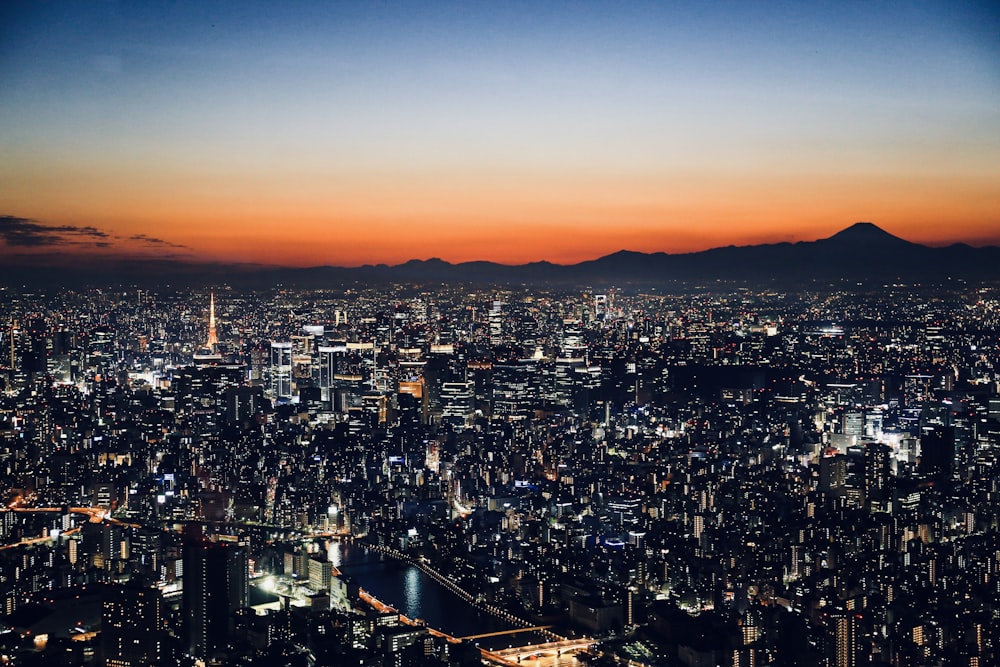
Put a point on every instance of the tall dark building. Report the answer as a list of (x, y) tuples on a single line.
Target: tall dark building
[(937, 452), (877, 472), (215, 586), (832, 473), (242, 403), (102, 542), (132, 627)]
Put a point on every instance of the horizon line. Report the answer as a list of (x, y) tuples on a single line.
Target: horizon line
[(82, 259)]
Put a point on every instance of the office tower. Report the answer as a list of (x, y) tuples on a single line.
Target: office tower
[(303, 348), (832, 473), (496, 323), (600, 306), (281, 369), (202, 389), (699, 333), (215, 586), (12, 342), (457, 402), (132, 627), (104, 543), (146, 551), (35, 352), (242, 403), (568, 373), (876, 475), (327, 368), (515, 390)]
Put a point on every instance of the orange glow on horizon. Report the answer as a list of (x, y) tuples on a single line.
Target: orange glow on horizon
[(352, 133), (510, 220)]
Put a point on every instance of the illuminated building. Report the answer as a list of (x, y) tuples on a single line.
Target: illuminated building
[(242, 403), (457, 402), (832, 472), (132, 627), (496, 323), (320, 573), (515, 390), (213, 338), (209, 354), (600, 306), (281, 370), (842, 639), (876, 475), (327, 368)]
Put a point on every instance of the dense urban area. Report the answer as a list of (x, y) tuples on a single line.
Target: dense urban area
[(719, 475)]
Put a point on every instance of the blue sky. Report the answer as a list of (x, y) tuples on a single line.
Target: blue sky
[(469, 127)]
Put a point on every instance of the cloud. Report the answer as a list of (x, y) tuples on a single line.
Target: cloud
[(27, 233), (151, 240), (17, 232)]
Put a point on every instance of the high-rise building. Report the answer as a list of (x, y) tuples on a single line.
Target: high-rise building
[(104, 542), (843, 641), (132, 627), (242, 403), (937, 452), (281, 369), (215, 585), (457, 403), (877, 469), (832, 472), (600, 306), (514, 390), (496, 322), (332, 360), (320, 573)]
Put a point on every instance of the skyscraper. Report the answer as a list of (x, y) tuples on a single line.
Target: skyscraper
[(877, 473), (843, 642), (832, 472), (496, 322), (215, 586), (327, 368), (281, 369), (458, 404), (242, 403), (132, 627)]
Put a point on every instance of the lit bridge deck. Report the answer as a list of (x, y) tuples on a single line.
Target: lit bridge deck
[(510, 657)]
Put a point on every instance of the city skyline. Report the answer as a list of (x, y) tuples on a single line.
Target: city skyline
[(724, 475), (365, 134)]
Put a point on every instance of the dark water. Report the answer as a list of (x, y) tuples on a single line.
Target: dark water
[(416, 595)]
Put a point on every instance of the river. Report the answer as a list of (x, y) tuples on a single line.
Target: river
[(417, 595)]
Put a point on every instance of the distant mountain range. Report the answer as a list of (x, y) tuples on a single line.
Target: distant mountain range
[(862, 252)]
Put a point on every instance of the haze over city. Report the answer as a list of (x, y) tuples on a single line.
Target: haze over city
[(351, 133)]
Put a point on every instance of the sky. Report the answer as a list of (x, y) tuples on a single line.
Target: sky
[(348, 133)]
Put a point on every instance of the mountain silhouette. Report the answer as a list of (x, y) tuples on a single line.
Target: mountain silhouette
[(862, 252), (867, 233)]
